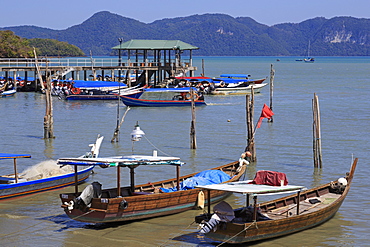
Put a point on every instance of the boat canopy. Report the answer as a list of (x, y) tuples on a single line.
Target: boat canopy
[(132, 160), (97, 84), (13, 156), (175, 90), (246, 187), (235, 75)]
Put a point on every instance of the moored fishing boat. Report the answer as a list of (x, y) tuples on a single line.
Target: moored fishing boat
[(42, 177), (284, 216), (236, 84), (184, 98), (96, 94), (8, 93), (145, 200)]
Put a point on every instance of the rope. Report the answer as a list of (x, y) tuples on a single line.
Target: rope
[(245, 229), (178, 234), (156, 147)]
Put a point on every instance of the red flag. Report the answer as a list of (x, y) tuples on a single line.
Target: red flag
[(266, 113)]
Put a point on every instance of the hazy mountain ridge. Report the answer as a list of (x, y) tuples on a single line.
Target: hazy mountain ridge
[(217, 35)]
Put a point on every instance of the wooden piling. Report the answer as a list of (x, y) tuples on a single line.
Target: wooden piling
[(317, 153), (193, 138), (250, 127), (272, 76), (48, 119)]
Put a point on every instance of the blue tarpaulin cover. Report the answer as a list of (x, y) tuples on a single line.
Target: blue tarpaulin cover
[(202, 178), (95, 84)]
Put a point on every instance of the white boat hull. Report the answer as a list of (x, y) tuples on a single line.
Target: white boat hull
[(238, 90)]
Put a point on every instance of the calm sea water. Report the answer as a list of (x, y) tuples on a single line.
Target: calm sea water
[(341, 83)]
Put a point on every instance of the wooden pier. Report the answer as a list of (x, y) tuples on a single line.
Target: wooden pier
[(149, 61)]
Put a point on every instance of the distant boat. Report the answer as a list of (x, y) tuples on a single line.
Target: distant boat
[(96, 94), (7, 93), (18, 185), (7, 90), (309, 59), (228, 84), (182, 99)]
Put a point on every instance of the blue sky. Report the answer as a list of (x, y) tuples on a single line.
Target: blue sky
[(62, 14)]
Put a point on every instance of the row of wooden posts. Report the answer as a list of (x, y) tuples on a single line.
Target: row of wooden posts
[(251, 128)]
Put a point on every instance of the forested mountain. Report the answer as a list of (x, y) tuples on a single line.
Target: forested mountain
[(217, 35)]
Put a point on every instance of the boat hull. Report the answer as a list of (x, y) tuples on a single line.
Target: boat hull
[(110, 96), (20, 189), (145, 205), (238, 90), (284, 222), (8, 93), (159, 103)]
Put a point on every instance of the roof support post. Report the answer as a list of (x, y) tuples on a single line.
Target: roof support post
[(132, 179), (178, 177), (15, 170), (118, 180), (76, 180), (254, 208)]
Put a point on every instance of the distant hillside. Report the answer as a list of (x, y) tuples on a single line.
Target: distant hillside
[(217, 35)]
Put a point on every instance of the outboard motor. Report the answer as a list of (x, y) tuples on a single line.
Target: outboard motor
[(339, 186), (84, 200)]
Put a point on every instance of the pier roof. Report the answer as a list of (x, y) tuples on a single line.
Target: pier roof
[(141, 44)]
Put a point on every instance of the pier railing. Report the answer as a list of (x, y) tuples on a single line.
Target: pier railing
[(53, 62)]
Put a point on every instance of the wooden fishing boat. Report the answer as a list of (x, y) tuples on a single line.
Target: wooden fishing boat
[(6, 90), (232, 89), (275, 218), (8, 93), (145, 200), (183, 99), (18, 185), (97, 94), (236, 84)]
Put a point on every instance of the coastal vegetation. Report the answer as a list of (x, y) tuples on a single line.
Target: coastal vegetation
[(13, 46), (217, 35)]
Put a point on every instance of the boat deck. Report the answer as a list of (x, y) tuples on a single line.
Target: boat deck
[(305, 207)]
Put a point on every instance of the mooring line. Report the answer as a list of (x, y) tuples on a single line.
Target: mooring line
[(245, 229)]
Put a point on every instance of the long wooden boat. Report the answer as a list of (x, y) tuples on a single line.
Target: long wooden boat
[(232, 89), (160, 103), (145, 200), (237, 78), (97, 94), (14, 185), (228, 84), (279, 217)]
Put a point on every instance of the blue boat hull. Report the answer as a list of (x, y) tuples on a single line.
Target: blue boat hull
[(8, 93), (159, 103), (100, 97), (9, 191)]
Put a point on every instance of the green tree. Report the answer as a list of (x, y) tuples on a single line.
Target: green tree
[(52, 47), (12, 45)]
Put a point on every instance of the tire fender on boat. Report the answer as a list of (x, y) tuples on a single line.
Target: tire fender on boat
[(188, 96), (123, 204), (76, 90)]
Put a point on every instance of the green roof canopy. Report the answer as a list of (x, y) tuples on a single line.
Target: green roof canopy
[(141, 44)]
